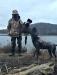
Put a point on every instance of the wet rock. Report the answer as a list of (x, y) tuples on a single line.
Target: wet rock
[(55, 70), (43, 69), (4, 69)]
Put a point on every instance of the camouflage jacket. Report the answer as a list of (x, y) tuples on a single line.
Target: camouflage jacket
[(15, 27)]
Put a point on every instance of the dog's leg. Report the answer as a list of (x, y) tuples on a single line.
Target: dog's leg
[(37, 52), (37, 55), (54, 51), (34, 53), (50, 53)]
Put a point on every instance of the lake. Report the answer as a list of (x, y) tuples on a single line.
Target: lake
[(5, 40)]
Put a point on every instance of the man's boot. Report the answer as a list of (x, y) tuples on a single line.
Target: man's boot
[(12, 51), (19, 50), (13, 44)]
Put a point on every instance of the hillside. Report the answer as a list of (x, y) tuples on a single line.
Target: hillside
[(46, 28), (3, 31), (43, 29)]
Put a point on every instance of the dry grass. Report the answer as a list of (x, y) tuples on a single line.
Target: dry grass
[(24, 60)]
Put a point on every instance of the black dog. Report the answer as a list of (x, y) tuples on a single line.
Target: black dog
[(38, 44)]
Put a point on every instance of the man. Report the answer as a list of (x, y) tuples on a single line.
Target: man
[(15, 29)]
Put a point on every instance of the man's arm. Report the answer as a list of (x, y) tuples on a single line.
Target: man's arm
[(9, 26), (21, 25)]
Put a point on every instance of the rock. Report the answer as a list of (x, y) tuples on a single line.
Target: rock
[(39, 69), (55, 70), (4, 69), (47, 68), (43, 69), (22, 69)]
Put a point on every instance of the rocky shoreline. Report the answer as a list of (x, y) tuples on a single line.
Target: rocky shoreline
[(18, 64)]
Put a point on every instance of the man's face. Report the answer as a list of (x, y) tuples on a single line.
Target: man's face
[(15, 16)]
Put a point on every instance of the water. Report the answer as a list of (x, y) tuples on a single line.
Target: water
[(5, 40)]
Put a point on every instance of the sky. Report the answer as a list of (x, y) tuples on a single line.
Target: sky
[(37, 10)]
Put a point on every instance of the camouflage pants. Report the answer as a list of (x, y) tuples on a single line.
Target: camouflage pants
[(13, 43)]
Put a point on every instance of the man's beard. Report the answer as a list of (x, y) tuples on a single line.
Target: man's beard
[(16, 17)]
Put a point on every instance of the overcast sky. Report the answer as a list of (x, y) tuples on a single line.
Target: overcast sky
[(37, 10)]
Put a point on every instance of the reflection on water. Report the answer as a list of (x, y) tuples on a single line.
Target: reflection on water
[(5, 40)]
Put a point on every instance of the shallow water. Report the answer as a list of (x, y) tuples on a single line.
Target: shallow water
[(5, 40)]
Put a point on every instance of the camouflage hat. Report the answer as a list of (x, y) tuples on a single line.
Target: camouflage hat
[(14, 12)]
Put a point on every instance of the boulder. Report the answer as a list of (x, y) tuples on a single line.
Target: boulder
[(43, 69)]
